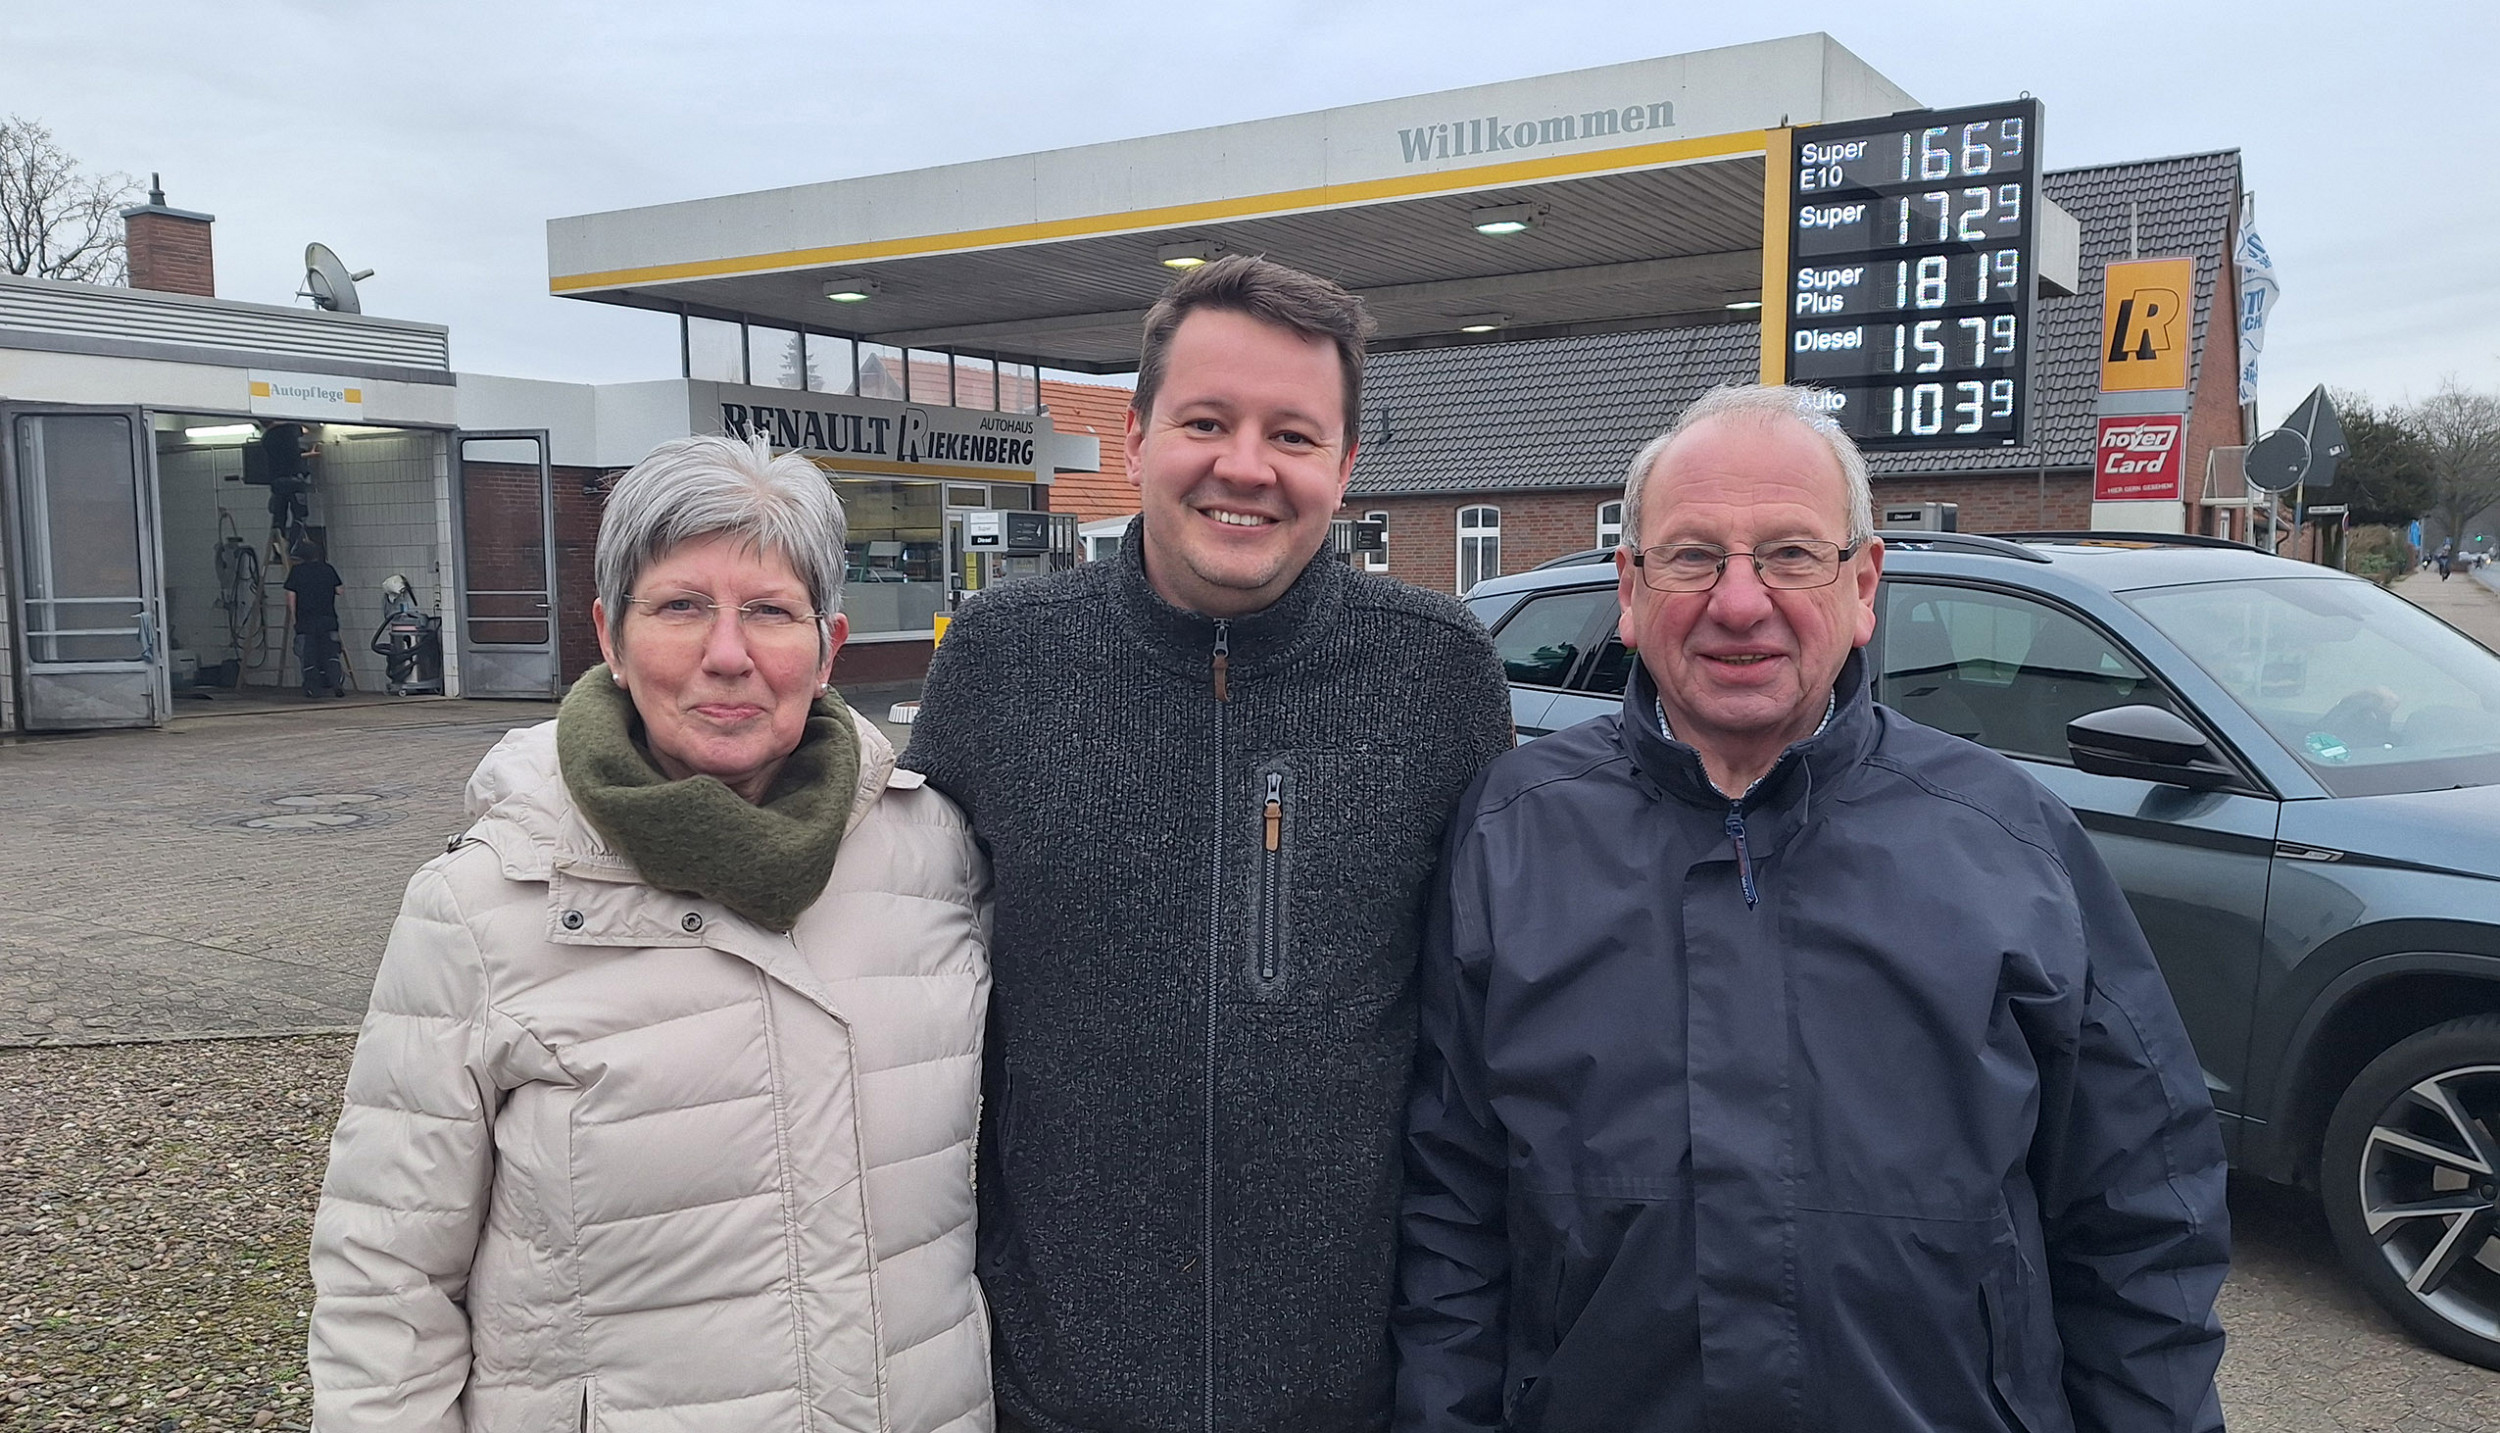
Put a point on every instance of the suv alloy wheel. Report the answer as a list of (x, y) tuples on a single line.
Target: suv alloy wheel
[(2411, 1178)]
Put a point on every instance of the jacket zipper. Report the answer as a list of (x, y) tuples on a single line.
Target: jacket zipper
[(1215, 984), (1272, 878), (1744, 858)]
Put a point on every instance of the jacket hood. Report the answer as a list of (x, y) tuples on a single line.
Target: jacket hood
[(518, 803)]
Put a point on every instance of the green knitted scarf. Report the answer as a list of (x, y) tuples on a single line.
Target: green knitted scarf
[(767, 861)]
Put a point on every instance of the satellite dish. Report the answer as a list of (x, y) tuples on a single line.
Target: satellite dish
[(2277, 462), (328, 283)]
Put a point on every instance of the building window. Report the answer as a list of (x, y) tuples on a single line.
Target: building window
[(1479, 545), (1610, 524), (1378, 561)]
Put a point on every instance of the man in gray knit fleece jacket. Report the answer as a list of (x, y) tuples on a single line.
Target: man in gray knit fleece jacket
[(1211, 773)]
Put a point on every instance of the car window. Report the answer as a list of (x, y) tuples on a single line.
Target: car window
[(1490, 606), (1541, 641), (2371, 693), (2004, 671), (1611, 668)]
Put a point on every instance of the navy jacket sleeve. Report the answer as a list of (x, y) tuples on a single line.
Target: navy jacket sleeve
[(1454, 1257), (2129, 1168)]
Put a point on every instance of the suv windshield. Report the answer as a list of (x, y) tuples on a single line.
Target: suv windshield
[(2372, 693)]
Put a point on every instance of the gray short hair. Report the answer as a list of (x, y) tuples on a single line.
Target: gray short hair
[(708, 486), (1764, 404)]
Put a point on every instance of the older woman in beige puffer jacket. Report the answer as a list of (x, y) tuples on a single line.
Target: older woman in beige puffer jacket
[(648, 1141)]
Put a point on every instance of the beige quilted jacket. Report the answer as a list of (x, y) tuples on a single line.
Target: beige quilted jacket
[(617, 1159)]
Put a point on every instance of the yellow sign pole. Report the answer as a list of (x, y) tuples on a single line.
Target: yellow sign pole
[(1779, 154)]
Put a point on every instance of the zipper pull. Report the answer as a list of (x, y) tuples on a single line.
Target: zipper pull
[(1223, 653), (1275, 809), (1744, 858)]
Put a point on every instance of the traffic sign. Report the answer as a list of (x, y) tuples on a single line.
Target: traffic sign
[(2278, 461)]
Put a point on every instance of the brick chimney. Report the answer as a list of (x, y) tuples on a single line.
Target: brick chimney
[(169, 249)]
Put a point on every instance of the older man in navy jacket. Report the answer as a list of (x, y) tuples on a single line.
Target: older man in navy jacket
[(1786, 1064)]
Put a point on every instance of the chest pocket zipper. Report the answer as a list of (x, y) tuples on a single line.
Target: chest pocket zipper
[(1272, 880)]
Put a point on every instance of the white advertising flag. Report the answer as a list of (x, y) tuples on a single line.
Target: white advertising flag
[(2258, 289)]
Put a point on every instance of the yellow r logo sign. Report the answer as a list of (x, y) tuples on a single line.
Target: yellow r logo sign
[(2147, 326), (2146, 305)]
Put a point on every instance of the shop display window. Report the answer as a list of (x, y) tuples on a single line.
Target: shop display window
[(894, 577)]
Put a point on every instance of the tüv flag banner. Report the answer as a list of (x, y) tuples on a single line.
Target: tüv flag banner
[(2258, 289)]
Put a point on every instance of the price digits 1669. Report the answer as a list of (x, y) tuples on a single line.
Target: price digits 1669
[(1920, 156)]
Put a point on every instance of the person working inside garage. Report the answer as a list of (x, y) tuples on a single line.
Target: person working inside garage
[(312, 608), (287, 456)]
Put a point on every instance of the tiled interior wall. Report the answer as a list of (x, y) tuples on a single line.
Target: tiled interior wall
[(380, 495), (196, 484), (380, 498)]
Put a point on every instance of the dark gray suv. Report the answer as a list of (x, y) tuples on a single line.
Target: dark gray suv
[(2295, 776)]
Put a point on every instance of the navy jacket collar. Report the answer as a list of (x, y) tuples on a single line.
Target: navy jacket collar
[(1674, 771)]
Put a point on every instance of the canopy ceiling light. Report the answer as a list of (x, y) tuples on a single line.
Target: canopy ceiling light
[(1483, 322), (850, 291), (1744, 305), (223, 430), (1506, 218), (1187, 256)]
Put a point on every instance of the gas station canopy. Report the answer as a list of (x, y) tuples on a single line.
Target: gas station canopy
[(1628, 196)]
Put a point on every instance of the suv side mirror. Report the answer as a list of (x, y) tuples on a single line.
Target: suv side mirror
[(2146, 743)]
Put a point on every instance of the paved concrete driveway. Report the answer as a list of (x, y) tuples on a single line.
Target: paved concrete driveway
[(226, 874), (237, 874)]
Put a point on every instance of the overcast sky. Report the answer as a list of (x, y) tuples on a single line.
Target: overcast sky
[(431, 141)]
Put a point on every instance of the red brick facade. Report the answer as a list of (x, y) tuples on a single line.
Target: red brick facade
[(170, 253), (579, 503), (2214, 416), (1540, 525)]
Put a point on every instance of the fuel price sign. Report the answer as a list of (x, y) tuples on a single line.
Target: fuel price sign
[(1909, 291)]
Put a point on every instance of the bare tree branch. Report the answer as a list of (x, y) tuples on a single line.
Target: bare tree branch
[(56, 220), (2461, 431)]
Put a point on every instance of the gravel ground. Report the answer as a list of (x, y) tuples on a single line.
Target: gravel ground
[(156, 1200), (155, 1204)]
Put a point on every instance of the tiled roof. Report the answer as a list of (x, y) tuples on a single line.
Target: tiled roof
[(1570, 412), (1100, 410), (1547, 413)]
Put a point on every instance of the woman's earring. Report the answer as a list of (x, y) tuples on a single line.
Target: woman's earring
[(618, 678)]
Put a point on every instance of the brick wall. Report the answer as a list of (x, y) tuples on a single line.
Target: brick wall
[(1536, 526), (170, 253), (580, 499), (2214, 416), (1542, 525), (2021, 502)]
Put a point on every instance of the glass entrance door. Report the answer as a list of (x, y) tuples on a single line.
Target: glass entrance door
[(506, 495), (89, 607)]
